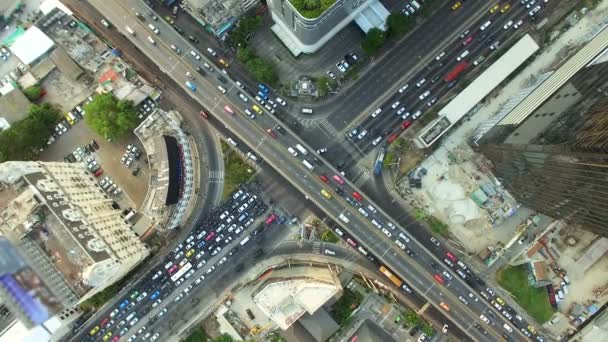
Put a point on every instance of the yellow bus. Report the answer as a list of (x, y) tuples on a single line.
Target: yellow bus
[(325, 194)]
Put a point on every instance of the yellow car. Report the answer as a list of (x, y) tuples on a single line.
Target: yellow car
[(94, 330), (505, 8), (325, 194), (494, 8), (456, 5), (257, 109), (223, 62), (107, 336), (500, 301), (189, 253), (531, 329)]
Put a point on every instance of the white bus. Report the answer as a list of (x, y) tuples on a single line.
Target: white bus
[(180, 273), (308, 164), (245, 240), (301, 149)]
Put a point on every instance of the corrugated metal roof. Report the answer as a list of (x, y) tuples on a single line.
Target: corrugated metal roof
[(585, 55)]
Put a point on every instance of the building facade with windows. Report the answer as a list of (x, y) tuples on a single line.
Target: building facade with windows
[(58, 225), (551, 151)]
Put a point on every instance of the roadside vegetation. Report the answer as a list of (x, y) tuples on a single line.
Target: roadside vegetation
[(311, 9), (342, 310), (236, 171), (100, 298), (200, 335), (534, 300), (325, 85), (111, 118), (411, 319), (25, 138), (329, 236), (33, 93), (398, 25), (437, 226), (262, 69)]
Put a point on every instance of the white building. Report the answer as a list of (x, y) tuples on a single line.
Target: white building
[(58, 217)]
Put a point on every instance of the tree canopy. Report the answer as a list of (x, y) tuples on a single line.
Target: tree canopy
[(110, 117), (398, 23), (24, 139), (373, 41), (33, 93)]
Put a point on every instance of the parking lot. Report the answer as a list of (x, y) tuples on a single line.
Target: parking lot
[(108, 156)]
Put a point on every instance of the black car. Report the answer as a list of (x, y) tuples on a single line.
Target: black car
[(201, 71), (135, 171), (280, 130), (178, 29), (193, 39), (94, 143), (222, 79), (90, 147)]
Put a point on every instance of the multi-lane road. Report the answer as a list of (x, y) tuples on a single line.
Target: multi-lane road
[(417, 271)]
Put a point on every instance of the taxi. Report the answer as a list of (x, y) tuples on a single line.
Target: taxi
[(505, 8), (494, 8), (456, 5)]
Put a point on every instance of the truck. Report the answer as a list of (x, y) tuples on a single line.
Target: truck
[(395, 280), (458, 69), (379, 163)]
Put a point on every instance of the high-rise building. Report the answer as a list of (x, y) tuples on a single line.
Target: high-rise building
[(307, 31), (61, 239), (551, 150)]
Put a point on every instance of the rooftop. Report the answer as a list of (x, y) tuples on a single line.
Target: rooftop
[(311, 12), (31, 45)]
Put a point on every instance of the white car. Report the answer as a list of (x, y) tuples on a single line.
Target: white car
[(424, 95), (322, 150), (340, 67), (331, 75), (395, 105), (447, 275), (518, 24), (484, 319), (401, 110), (403, 88), (440, 56), (376, 112), (232, 142), (362, 134), (211, 52), (243, 97), (508, 25), (420, 83), (386, 232), (281, 101), (377, 141)]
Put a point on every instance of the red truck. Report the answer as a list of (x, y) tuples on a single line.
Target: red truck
[(458, 69)]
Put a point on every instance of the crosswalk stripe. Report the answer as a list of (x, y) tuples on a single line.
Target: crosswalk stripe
[(218, 175)]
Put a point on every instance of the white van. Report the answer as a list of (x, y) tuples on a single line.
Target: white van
[(363, 212), (507, 327), (404, 237), (462, 55), (307, 110), (415, 4), (153, 29), (292, 151), (485, 25), (301, 149), (308, 164), (344, 219), (130, 30)]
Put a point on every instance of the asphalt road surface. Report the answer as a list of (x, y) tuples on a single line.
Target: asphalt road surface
[(273, 149)]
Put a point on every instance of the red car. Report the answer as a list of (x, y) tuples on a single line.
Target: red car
[(104, 322), (271, 133), (392, 138), (204, 114), (271, 219), (98, 173), (451, 256), (338, 179), (210, 236), (351, 242), (467, 40), (357, 196), (438, 279), (228, 110), (406, 124), (324, 178)]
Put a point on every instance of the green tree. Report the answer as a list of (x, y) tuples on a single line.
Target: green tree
[(197, 335), (110, 117), (245, 54), (398, 23), (240, 35), (411, 318), (427, 329), (33, 93), (223, 338), (344, 307), (263, 70), (311, 4), (24, 139), (323, 84), (329, 236), (373, 41)]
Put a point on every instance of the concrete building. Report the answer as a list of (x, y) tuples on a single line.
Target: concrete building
[(288, 294), (549, 151), (304, 34), (67, 231), (218, 16), (14, 107)]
